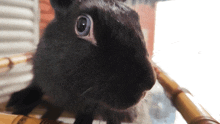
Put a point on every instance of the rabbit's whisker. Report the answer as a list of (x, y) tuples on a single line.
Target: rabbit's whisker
[(86, 91)]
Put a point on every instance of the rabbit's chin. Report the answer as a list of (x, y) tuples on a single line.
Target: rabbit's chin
[(122, 104)]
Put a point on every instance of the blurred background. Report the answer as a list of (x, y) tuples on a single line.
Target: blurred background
[(182, 37)]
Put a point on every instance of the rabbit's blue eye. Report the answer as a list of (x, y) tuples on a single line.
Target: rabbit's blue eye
[(84, 28), (83, 25)]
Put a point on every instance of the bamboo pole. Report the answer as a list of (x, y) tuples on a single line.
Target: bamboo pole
[(7, 63), (21, 119), (183, 100)]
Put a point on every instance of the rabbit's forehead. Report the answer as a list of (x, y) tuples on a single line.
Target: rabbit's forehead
[(115, 9)]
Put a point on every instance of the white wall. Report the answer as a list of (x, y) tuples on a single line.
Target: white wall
[(19, 33), (187, 41)]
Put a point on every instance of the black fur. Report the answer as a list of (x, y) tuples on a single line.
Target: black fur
[(90, 80)]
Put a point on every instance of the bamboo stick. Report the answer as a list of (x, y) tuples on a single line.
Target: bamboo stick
[(184, 102), (7, 63), (21, 119)]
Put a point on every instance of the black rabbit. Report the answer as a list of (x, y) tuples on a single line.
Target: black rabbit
[(91, 61)]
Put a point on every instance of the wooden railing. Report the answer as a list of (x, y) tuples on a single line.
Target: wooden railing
[(6, 63), (183, 100)]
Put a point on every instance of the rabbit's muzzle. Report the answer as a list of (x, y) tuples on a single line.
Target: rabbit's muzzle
[(126, 85)]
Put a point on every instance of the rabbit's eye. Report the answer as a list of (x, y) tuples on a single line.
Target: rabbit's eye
[(83, 25), (84, 28)]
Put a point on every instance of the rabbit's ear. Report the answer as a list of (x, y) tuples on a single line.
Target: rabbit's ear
[(61, 5)]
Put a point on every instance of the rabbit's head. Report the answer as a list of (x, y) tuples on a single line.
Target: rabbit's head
[(97, 48)]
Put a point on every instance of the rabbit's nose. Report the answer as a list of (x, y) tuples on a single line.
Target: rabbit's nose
[(151, 83)]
